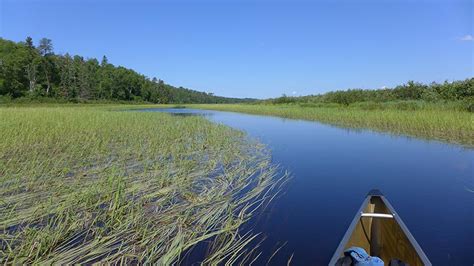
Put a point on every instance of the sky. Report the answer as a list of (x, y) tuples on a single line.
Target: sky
[(260, 49)]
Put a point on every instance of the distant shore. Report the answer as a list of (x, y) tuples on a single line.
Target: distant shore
[(442, 123)]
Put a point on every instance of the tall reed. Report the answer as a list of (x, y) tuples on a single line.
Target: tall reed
[(446, 125), (86, 185)]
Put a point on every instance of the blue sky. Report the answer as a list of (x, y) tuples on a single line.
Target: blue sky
[(260, 48)]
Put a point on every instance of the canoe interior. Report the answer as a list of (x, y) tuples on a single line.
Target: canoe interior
[(386, 238)]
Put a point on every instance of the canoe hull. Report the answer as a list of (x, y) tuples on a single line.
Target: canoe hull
[(385, 236)]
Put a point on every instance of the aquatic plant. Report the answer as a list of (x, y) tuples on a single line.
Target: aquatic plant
[(438, 123), (86, 185)]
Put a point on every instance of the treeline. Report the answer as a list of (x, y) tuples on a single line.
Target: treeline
[(411, 91), (33, 71)]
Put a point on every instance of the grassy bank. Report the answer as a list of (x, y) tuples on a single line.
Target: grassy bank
[(86, 184), (438, 123)]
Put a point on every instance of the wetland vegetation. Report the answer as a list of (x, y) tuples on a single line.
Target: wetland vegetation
[(98, 184), (451, 126)]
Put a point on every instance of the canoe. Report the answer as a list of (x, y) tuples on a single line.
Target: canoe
[(379, 230)]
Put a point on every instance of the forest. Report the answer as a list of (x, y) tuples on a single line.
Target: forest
[(35, 72)]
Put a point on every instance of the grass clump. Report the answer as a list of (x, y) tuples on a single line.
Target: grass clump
[(88, 185), (444, 124)]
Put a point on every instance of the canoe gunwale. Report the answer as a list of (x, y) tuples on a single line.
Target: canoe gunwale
[(357, 218), (405, 230), (347, 235)]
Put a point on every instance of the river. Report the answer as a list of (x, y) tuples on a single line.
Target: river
[(430, 184)]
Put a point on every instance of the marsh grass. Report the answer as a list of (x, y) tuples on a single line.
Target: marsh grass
[(88, 185), (448, 125)]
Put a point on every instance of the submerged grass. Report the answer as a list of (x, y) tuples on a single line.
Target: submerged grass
[(88, 185), (449, 125)]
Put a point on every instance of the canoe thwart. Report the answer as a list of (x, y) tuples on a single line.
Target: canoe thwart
[(377, 215)]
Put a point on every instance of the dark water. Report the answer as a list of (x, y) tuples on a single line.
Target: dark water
[(430, 184)]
